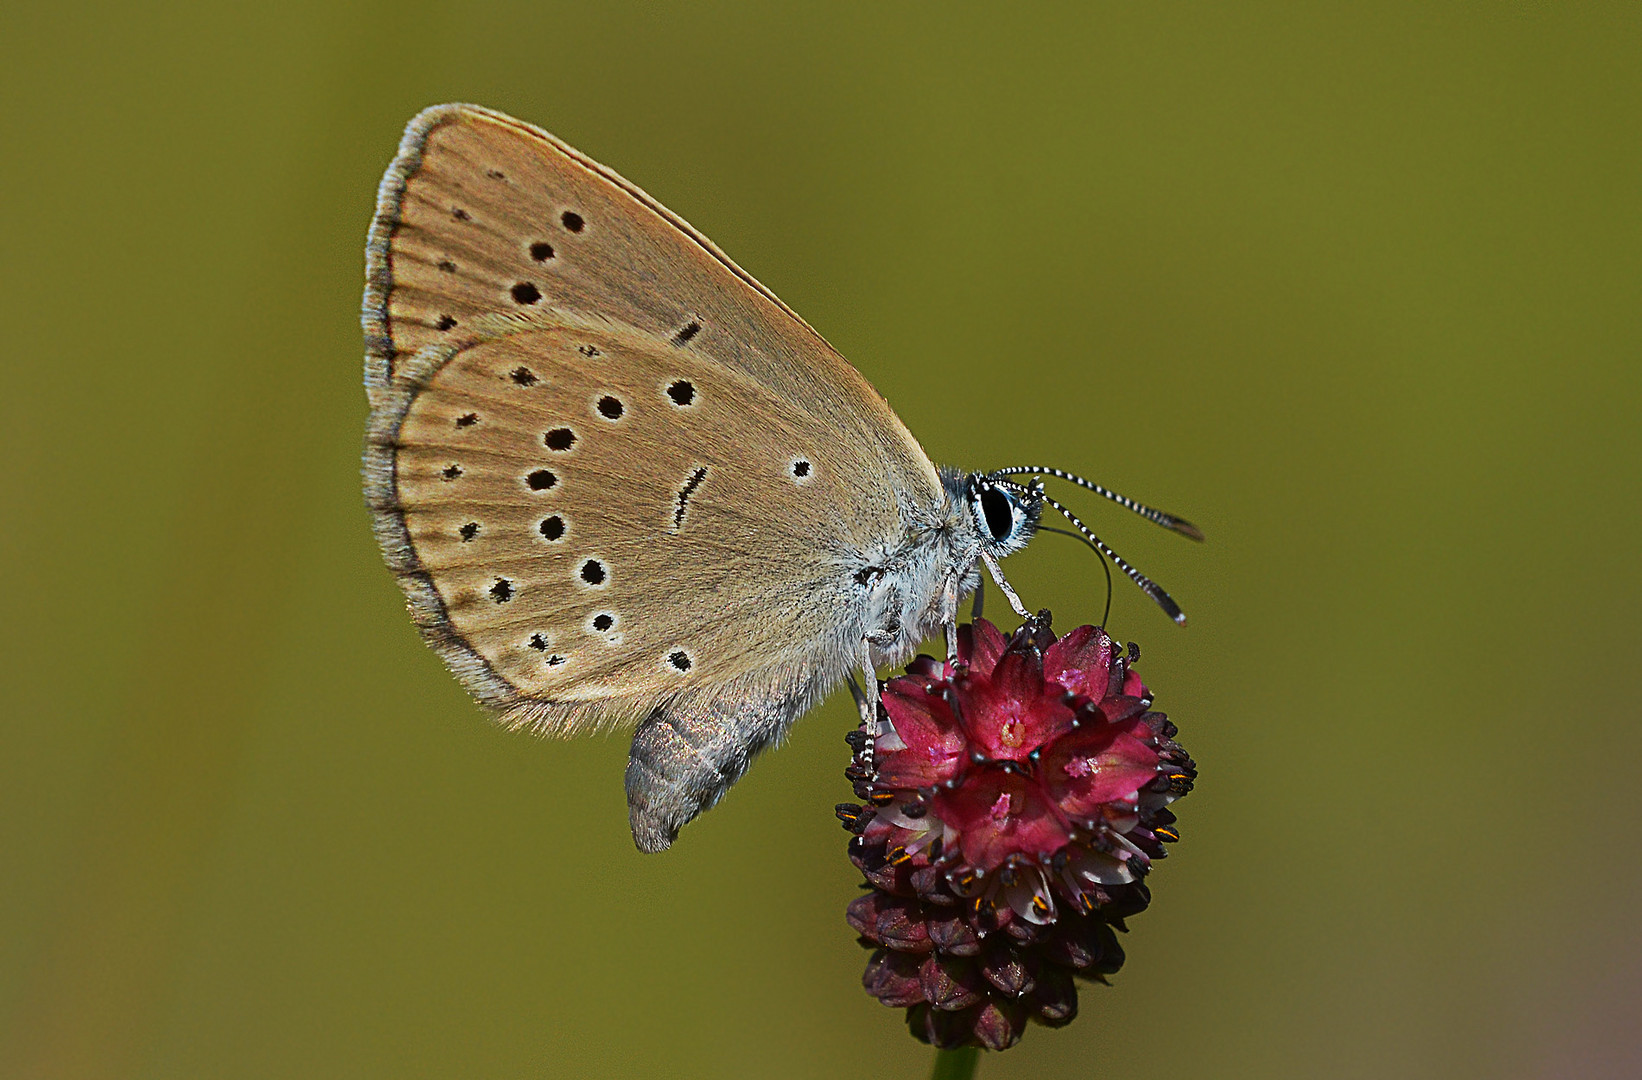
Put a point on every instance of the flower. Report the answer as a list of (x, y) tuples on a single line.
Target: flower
[(1013, 803)]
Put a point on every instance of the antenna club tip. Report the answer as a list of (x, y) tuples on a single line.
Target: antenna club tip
[(1186, 529), (1180, 618)]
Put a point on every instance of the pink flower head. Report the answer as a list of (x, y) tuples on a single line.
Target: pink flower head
[(1014, 802)]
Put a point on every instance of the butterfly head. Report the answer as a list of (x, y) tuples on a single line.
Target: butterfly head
[(1005, 513)]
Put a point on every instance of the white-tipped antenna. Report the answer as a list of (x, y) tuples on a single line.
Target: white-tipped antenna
[(1147, 585), (1168, 521)]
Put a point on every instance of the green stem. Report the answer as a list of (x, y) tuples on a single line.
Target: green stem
[(956, 1064)]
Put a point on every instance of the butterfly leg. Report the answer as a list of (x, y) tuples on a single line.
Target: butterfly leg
[(686, 756), (867, 704), (862, 704), (949, 619), (996, 571)]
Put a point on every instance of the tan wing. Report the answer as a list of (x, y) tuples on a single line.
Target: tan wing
[(478, 204), (609, 468)]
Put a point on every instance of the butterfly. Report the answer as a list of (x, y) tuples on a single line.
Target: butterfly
[(620, 481)]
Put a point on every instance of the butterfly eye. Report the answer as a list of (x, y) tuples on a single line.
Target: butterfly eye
[(998, 509)]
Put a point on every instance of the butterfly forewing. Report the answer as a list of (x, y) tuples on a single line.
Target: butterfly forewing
[(608, 466), (483, 213)]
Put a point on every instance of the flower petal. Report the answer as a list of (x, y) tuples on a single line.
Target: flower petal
[(1081, 661), (1014, 713), (999, 813), (979, 645), (935, 749), (1096, 765)]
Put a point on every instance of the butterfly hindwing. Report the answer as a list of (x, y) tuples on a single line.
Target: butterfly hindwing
[(608, 519)]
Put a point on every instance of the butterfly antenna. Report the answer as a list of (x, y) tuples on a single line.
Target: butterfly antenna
[(1147, 585), (1106, 615), (1168, 521)]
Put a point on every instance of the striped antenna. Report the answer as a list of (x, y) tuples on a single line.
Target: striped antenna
[(1147, 585), (1168, 521)]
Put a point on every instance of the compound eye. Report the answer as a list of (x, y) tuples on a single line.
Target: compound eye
[(999, 511)]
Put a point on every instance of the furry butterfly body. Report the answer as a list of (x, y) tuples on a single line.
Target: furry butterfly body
[(618, 480)]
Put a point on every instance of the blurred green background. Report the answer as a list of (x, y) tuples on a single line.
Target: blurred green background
[(1355, 288)]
